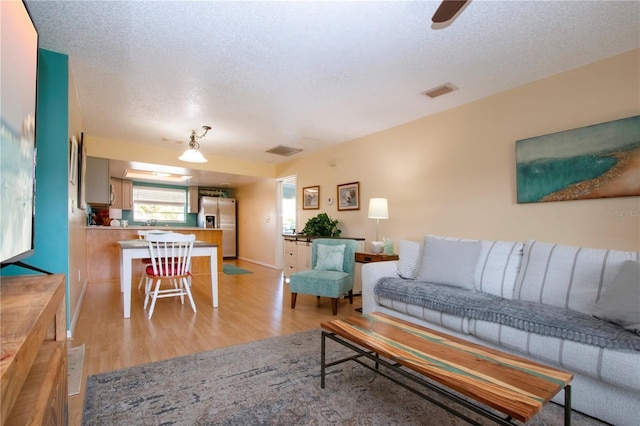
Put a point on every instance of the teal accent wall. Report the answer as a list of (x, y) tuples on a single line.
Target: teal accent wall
[(52, 164), (51, 251)]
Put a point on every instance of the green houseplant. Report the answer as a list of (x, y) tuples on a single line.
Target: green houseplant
[(321, 226)]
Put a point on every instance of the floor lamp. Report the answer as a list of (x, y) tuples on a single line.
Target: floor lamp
[(378, 209)]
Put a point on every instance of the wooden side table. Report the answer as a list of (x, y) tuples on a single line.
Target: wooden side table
[(364, 257)]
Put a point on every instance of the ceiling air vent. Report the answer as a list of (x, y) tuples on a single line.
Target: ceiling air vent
[(440, 90), (285, 151)]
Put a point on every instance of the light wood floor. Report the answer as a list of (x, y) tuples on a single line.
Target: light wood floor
[(251, 307)]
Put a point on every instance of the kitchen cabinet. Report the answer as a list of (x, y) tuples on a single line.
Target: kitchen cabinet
[(303, 249), (121, 194), (98, 189), (116, 193), (127, 195), (193, 199), (103, 252), (290, 258), (34, 350)]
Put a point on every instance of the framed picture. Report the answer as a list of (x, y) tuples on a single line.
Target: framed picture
[(311, 197), (598, 161), (82, 171), (349, 196), (73, 160)]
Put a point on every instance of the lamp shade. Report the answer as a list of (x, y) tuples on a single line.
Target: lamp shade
[(192, 156), (115, 213), (378, 208)]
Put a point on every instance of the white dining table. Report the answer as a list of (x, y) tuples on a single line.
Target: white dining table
[(139, 249)]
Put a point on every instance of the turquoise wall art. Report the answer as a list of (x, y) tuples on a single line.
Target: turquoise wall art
[(598, 161)]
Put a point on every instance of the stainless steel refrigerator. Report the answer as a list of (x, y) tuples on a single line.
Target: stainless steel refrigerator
[(220, 213)]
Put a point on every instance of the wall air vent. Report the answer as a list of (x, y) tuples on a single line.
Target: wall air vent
[(285, 151), (440, 90)]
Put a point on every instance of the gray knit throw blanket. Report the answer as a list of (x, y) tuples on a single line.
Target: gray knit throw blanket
[(528, 316)]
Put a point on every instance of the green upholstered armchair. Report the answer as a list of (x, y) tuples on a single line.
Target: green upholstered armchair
[(331, 273)]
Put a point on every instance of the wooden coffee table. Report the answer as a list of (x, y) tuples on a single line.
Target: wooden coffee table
[(515, 386)]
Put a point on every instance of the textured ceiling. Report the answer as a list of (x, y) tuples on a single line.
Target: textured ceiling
[(308, 74)]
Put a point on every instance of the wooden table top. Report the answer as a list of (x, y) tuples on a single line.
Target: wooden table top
[(515, 386)]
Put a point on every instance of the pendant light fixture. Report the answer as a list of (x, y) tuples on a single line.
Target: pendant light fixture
[(193, 154)]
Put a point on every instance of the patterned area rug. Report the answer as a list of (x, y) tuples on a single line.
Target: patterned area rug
[(274, 381)]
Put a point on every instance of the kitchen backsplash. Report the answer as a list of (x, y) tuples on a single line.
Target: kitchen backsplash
[(101, 218)]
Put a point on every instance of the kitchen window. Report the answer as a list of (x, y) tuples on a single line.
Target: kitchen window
[(159, 204)]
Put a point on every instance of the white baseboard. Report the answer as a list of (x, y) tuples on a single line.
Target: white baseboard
[(258, 263), (76, 314)]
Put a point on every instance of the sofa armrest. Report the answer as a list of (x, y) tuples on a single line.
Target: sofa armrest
[(371, 273)]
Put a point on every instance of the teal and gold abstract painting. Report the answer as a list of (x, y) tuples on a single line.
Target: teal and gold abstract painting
[(596, 161)]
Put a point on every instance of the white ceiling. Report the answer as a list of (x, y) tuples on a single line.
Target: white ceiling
[(308, 74)]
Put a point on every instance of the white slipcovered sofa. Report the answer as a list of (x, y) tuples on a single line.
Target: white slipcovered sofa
[(573, 308)]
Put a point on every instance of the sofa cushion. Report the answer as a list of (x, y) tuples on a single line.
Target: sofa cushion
[(617, 367), (498, 265), (449, 262), (410, 256), (567, 276), (620, 301), (330, 257)]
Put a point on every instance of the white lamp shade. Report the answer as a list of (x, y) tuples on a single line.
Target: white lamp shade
[(192, 156), (115, 213), (378, 208)]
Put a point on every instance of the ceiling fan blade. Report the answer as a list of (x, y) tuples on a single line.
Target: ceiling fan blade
[(447, 10)]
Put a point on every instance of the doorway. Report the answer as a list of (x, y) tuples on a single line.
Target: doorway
[(287, 214)]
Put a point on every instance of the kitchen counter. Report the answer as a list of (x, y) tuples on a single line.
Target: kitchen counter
[(151, 228), (103, 255), (303, 237)]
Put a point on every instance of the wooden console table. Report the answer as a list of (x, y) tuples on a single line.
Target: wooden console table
[(33, 355)]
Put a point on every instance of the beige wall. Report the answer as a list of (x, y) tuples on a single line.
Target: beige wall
[(453, 173), (129, 151), (257, 222), (77, 217)]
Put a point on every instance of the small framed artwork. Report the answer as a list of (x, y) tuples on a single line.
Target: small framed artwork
[(311, 197), (73, 160), (349, 196), (82, 172)]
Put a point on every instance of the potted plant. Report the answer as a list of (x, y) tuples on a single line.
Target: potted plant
[(321, 226)]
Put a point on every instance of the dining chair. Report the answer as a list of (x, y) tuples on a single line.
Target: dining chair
[(170, 263), (331, 273), (142, 234)]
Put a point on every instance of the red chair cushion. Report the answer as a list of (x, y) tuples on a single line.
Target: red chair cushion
[(149, 271)]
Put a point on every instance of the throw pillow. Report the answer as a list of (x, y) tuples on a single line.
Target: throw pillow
[(620, 300), (449, 262), (330, 258), (567, 276), (410, 254), (498, 267)]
